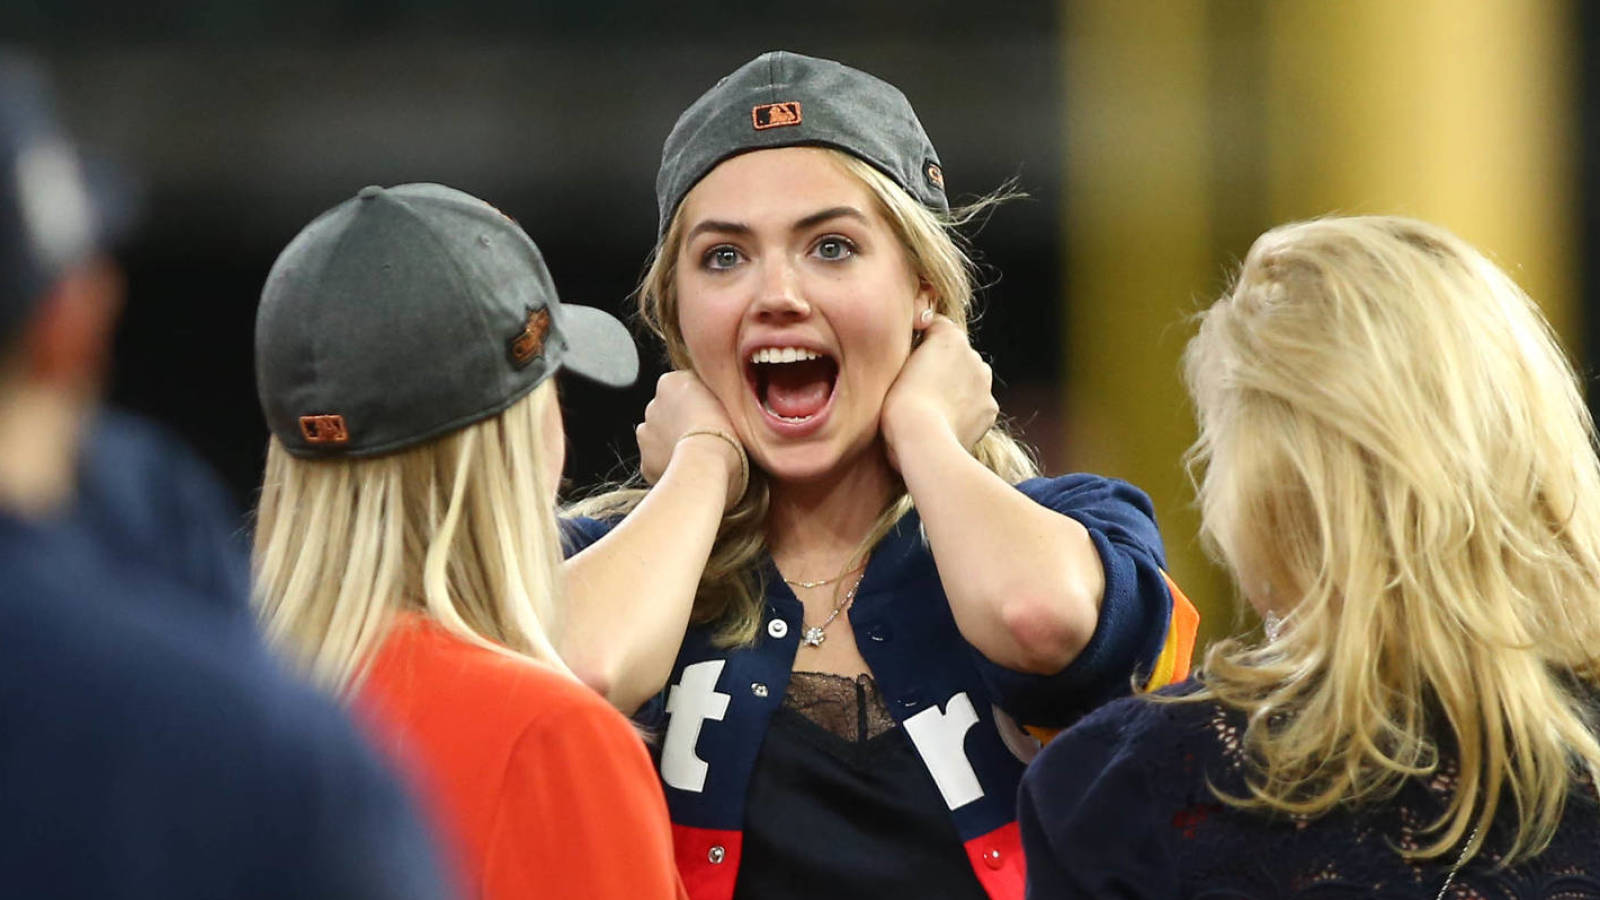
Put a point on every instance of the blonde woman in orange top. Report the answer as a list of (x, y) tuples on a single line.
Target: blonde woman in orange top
[(406, 548)]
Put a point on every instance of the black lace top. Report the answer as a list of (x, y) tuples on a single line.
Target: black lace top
[(840, 805), (1119, 807)]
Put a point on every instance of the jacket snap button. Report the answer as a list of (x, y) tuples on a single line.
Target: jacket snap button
[(716, 854), (991, 858), (879, 633), (777, 628), (759, 689)]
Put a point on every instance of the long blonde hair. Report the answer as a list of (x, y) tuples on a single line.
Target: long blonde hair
[(1396, 458), (730, 592), (458, 529)]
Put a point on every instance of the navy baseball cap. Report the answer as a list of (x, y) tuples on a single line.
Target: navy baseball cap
[(48, 221), (782, 99), (406, 313)]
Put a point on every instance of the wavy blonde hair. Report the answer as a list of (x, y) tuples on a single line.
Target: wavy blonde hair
[(458, 528), (1396, 458), (731, 593)]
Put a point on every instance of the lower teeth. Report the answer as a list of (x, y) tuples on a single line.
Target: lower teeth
[(793, 420)]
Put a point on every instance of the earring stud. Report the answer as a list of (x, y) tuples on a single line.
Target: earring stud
[(926, 316), (1272, 624)]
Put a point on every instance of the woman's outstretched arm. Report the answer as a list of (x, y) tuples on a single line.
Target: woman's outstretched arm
[(1025, 582), (629, 594)]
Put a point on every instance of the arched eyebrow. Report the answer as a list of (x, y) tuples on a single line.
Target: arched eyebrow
[(718, 226), (836, 212)]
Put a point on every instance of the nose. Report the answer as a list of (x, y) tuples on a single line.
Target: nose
[(778, 295)]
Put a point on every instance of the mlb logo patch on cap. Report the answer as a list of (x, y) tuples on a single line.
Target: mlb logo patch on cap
[(776, 115), (324, 429), (528, 342)]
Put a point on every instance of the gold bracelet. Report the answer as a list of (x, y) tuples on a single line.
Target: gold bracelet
[(744, 461)]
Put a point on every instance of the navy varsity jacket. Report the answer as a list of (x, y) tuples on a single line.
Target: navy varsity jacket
[(960, 710)]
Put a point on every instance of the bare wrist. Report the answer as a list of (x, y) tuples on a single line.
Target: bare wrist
[(914, 430)]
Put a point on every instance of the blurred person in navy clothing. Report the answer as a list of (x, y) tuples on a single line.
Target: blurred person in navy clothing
[(148, 747)]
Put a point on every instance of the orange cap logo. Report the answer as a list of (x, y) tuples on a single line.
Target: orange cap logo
[(327, 429), (775, 115), (935, 175), (529, 342)]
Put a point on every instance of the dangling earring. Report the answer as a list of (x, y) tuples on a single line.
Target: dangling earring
[(1272, 625)]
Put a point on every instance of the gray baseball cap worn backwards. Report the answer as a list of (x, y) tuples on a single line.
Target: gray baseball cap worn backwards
[(782, 99), (405, 313)]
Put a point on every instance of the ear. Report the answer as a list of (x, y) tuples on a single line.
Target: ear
[(68, 340), (923, 306)]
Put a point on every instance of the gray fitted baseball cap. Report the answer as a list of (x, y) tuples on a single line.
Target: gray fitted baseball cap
[(782, 99), (408, 312), (49, 217)]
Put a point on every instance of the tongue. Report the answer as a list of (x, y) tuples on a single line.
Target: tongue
[(799, 389)]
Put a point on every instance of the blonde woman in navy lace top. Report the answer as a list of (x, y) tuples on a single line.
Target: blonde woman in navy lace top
[(1397, 467)]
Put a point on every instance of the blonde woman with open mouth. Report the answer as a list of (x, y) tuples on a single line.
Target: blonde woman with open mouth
[(857, 586)]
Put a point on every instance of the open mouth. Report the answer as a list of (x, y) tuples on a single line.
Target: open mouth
[(793, 384)]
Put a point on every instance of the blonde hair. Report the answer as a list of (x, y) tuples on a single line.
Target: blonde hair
[(1396, 455), (730, 592), (459, 529)]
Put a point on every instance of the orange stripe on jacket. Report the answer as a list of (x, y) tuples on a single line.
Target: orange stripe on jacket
[(1172, 666)]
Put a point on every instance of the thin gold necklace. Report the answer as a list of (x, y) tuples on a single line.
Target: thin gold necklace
[(816, 584), (813, 584)]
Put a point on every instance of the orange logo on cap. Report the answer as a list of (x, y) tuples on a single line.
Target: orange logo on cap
[(324, 429), (529, 342), (935, 175), (775, 115)]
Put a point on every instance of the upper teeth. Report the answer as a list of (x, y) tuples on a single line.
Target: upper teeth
[(783, 355)]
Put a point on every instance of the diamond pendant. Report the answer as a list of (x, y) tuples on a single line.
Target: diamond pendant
[(813, 636)]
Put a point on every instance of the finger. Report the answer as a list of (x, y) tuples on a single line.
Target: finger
[(943, 324)]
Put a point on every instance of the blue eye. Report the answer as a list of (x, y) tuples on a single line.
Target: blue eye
[(834, 248), (720, 257)]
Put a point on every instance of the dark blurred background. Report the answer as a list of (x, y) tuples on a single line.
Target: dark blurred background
[(1155, 137)]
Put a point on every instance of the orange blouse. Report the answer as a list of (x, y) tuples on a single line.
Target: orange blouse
[(538, 787)]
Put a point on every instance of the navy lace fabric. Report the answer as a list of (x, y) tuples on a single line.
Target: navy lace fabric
[(1119, 806)]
